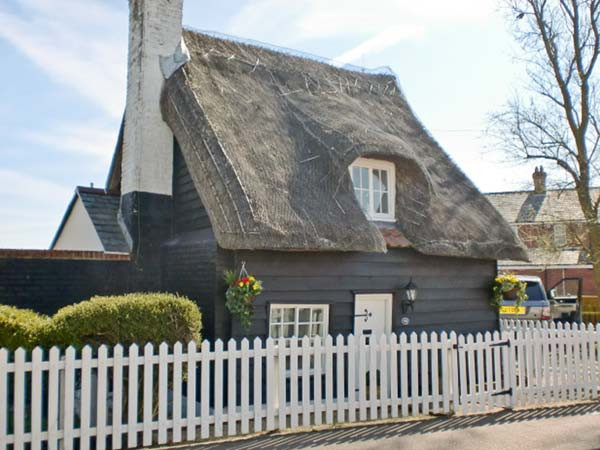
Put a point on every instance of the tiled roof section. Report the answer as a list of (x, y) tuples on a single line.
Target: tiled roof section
[(540, 257), (551, 206), (103, 209)]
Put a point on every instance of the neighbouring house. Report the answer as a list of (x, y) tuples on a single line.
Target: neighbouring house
[(551, 225), (320, 178)]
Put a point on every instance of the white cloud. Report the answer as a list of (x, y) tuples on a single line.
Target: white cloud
[(95, 140), (31, 209), (79, 44), (287, 23), (14, 184), (379, 42)]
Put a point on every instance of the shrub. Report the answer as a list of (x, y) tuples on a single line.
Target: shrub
[(125, 319), (20, 327)]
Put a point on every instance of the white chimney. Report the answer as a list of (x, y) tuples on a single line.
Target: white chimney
[(154, 32)]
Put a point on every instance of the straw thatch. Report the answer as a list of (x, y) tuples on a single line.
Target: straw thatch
[(268, 138)]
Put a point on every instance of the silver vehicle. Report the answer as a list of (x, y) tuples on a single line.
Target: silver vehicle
[(536, 307)]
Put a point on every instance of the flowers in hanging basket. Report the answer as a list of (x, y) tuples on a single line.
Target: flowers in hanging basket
[(508, 287), (241, 292)]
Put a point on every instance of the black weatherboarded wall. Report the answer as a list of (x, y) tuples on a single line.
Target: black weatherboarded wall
[(453, 293), (48, 280)]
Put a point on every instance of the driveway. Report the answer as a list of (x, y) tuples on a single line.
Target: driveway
[(568, 427)]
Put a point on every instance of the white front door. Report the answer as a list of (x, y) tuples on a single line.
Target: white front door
[(372, 315)]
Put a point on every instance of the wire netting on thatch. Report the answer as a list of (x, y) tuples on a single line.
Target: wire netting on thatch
[(268, 138)]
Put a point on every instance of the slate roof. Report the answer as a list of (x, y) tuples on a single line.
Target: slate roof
[(268, 138), (102, 209), (528, 207)]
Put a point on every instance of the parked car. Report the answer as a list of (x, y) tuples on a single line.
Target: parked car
[(565, 300), (536, 307)]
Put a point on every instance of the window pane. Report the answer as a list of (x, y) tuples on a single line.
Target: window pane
[(376, 182), (275, 331), (289, 315), (288, 331), (364, 176), (275, 315), (356, 176), (364, 201), (303, 330), (317, 330), (304, 315), (384, 180), (384, 203), (317, 315), (377, 200)]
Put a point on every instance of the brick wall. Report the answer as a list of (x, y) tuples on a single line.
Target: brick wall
[(47, 280)]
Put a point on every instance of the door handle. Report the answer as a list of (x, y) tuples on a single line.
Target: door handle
[(366, 315)]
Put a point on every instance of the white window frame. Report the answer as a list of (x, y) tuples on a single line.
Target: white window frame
[(297, 307), (379, 164)]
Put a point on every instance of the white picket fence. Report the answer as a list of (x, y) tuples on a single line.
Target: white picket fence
[(117, 398)]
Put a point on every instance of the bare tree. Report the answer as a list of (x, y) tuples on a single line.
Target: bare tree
[(557, 118)]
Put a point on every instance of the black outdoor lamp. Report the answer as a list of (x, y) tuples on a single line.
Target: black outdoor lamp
[(411, 297)]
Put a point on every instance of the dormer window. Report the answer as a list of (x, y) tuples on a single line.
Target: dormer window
[(374, 184)]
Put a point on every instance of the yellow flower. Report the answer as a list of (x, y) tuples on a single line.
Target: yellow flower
[(252, 278), (241, 284), (255, 287)]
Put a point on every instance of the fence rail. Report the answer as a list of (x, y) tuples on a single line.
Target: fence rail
[(127, 397)]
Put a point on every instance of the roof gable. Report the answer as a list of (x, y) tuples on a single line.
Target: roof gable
[(102, 210), (268, 138)]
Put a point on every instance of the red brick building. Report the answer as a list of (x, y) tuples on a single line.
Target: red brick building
[(551, 225)]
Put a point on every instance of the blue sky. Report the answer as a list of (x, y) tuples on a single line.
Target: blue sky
[(62, 86)]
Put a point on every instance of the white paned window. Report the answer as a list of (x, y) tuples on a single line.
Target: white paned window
[(560, 235), (374, 184), (288, 321)]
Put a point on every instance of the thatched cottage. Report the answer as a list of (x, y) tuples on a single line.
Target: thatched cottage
[(321, 179)]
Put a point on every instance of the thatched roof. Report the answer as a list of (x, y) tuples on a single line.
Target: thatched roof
[(268, 138)]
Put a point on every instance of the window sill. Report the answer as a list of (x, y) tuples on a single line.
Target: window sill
[(382, 219)]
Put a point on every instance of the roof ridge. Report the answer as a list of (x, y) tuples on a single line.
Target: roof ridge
[(531, 191), (382, 70), (95, 191)]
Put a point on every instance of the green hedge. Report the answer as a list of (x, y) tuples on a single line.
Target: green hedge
[(21, 327), (123, 319)]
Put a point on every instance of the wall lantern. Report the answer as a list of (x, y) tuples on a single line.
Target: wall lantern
[(411, 297)]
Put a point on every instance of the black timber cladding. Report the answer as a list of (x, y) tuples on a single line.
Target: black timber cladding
[(46, 285), (189, 213), (453, 293), (192, 263)]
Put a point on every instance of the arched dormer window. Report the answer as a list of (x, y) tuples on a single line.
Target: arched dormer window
[(374, 183)]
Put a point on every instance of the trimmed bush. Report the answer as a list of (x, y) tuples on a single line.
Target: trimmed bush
[(125, 319), (21, 327)]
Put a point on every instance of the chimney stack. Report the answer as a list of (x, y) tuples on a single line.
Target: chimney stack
[(539, 180), (155, 34), (155, 28)]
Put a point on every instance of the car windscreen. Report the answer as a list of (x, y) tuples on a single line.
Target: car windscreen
[(534, 291)]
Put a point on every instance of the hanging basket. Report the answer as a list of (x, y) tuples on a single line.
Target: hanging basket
[(508, 287), (511, 294), (241, 292)]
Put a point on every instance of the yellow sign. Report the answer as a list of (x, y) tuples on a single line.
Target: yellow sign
[(512, 310)]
